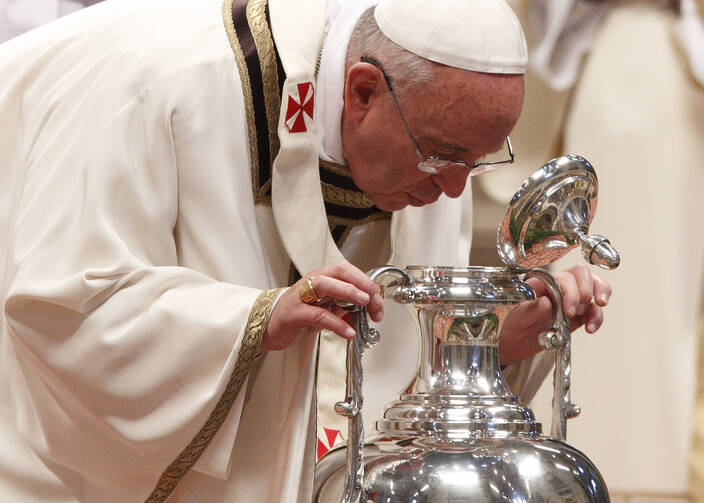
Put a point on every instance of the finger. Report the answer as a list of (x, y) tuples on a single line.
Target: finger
[(347, 272), (576, 322), (585, 287), (570, 293), (375, 308), (326, 286), (538, 286), (322, 319), (594, 318), (602, 290), (350, 274), (534, 316)]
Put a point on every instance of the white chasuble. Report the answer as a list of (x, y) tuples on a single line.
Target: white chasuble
[(133, 260), (141, 255)]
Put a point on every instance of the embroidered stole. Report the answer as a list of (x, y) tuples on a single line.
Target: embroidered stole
[(263, 76)]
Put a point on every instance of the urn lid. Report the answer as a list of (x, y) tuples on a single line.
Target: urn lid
[(550, 215)]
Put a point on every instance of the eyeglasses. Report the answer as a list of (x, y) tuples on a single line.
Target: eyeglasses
[(434, 165)]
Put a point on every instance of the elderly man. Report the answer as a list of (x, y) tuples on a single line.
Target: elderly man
[(163, 179)]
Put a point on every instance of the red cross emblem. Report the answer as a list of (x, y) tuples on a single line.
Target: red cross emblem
[(331, 436), (295, 111)]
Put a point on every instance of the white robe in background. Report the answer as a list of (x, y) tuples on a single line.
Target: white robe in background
[(18, 16), (132, 254), (636, 114)]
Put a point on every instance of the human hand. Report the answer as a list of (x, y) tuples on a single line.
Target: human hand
[(292, 318), (584, 294)]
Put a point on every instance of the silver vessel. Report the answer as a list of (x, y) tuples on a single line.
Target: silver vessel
[(457, 433)]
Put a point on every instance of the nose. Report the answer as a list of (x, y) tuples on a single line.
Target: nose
[(452, 182)]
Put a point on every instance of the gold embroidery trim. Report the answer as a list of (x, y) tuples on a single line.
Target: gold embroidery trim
[(253, 333), (256, 17), (338, 195), (345, 197), (335, 168), (263, 40), (247, 91)]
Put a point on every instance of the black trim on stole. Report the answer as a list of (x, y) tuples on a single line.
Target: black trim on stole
[(350, 215), (249, 49), (279, 64), (341, 181)]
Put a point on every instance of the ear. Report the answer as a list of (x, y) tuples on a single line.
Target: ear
[(364, 84)]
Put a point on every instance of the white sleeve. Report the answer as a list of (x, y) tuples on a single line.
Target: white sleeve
[(118, 354)]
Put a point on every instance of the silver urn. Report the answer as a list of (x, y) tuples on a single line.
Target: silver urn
[(457, 433)]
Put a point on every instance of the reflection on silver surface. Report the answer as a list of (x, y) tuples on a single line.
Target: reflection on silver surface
[(478, 471), (457, 433), (550, 214)]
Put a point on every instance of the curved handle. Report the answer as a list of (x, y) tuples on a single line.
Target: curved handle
[(559, 338), (351, 406)]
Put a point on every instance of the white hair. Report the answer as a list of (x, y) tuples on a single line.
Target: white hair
[(405, 69)]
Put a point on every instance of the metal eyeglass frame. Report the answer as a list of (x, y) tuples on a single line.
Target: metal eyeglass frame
[(430, 164)]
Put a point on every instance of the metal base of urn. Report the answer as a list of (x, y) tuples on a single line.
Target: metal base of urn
[(488, 470)]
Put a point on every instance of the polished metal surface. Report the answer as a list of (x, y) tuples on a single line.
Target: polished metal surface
[(351, 406), (509, 470), (457, 433), (461, 288), (458, 391), (559, 337), (550, 214)]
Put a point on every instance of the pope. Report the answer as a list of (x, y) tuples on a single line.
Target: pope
[(183, 181)]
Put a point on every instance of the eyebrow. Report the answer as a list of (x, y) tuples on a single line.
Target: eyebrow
[(443, 145)]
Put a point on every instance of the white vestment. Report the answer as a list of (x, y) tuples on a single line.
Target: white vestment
[(133, 257)]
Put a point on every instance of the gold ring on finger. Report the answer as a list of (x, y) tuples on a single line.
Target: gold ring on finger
[(307, 293)]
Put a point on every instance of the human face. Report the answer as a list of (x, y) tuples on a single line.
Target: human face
[(460, 115), (433, 165)]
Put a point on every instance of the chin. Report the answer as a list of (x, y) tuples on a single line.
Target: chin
[(390, 204)]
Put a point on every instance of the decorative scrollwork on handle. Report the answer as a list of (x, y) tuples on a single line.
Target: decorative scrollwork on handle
[(558, 338), (351, 406)]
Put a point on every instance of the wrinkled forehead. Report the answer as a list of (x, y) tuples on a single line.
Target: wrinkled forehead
[(453, 92), (468, 109)]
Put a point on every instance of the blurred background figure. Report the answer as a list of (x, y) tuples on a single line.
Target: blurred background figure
[(18, 16), (622, 84)]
